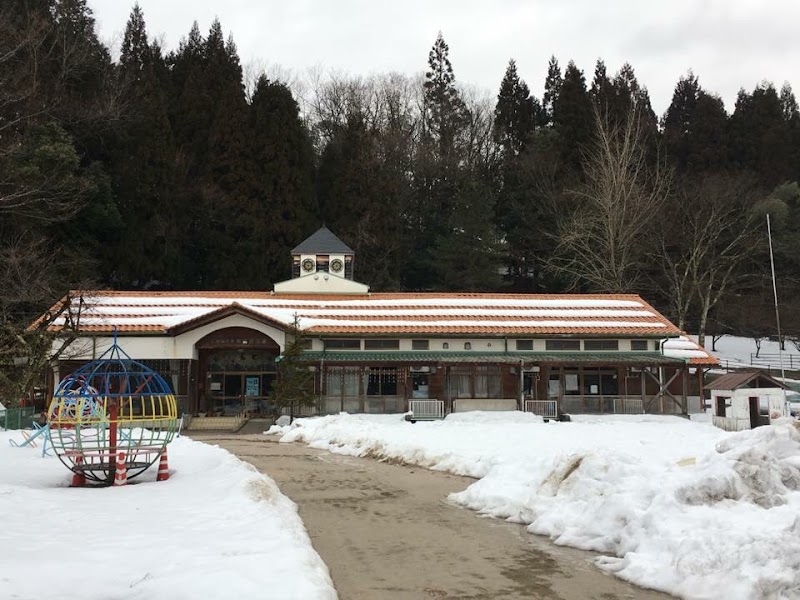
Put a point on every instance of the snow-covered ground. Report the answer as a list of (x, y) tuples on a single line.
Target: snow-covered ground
[(739, 352), (671, 504), (216, 529)]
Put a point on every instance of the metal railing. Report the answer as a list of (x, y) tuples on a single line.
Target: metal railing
[(426, 409), (773, 361), (543, 408), (628, 406), (623, 405), (18, 418)]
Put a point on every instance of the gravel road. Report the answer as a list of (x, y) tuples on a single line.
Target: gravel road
[(387, 531)]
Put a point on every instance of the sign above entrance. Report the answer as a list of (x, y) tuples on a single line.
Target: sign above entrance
[(238, 337)]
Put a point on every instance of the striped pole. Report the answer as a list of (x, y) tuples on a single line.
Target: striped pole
[(121, 474), (163, 467), (78, 478)]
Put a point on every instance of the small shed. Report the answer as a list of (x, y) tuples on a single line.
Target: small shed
[(746, 400)]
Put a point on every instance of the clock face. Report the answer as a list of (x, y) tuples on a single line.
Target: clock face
[(308, 265), (336, 265)]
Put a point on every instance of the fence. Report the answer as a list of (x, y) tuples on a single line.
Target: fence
[(426, 409), (628, 406), (18, 418), (621, 405), (791, 362), (544, 408)]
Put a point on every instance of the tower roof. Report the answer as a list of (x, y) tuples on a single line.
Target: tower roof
[(323, 241)]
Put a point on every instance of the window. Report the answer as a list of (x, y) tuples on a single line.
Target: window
[(382, 381), (487, 382), (381, 344), (524, 344), (341, 381), (475, 382), (562, 344), (420, 344), (467, 346), (571, 383), (601, 345), (343, 344), (445, 346), (638, 344), (348, 267), (322, 262)]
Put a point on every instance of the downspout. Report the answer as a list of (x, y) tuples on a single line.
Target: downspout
[(321, 371), (661, 376)]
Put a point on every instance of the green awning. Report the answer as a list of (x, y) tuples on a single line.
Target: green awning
[(633, 359)]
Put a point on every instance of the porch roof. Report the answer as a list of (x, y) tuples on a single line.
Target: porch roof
[(631, 359)]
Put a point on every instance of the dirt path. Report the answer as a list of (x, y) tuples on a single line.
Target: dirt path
[(386, 531)]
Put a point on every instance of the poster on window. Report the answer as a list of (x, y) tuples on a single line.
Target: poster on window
[(251, 386), (571, 382)]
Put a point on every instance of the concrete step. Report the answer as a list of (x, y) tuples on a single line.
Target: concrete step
[(256, 426)]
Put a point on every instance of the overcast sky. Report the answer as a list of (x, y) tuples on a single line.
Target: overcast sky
[(728, 44)]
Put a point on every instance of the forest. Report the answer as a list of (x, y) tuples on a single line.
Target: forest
[(180, 168)]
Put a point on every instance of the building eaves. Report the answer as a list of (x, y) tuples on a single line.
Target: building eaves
[(426, 356)]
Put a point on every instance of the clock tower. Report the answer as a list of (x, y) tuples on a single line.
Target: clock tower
[(322, 264)]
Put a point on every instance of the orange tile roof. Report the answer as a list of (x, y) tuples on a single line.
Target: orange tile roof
[(132, 311), (411, 313)]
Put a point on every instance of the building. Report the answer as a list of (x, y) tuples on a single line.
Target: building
[(377, 352), (747, 400)]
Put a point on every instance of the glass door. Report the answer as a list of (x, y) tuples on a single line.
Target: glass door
[(239, 382)]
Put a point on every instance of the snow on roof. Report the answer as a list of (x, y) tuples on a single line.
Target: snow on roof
[(518, 315), (685, 348), (390, 313)]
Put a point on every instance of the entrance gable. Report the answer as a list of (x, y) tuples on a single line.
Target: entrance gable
[(226, 329)]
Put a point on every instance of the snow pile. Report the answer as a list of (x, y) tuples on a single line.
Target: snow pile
[(216, 529), (672, 504)]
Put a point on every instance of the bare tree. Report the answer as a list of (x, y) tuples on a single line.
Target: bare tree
[(601, 241), (34, 271), (707, 236)]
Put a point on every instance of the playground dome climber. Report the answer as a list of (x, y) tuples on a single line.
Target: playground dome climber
[(111, 410)]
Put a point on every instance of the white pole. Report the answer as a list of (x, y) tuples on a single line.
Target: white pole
[(777, 317)]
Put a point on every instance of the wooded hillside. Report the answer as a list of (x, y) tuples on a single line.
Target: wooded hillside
[(172, 169)]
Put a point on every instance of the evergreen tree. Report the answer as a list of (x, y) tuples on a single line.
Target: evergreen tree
[(602, 90), (788, 103), (446, 173), (679, 120), (759, 139), (572, 117), (135, 48), (142, 170), (552, 87), (282, 159), (630, 97), (515, 112), (294, 386), (791, 119), (708, 147), (446, 113)]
